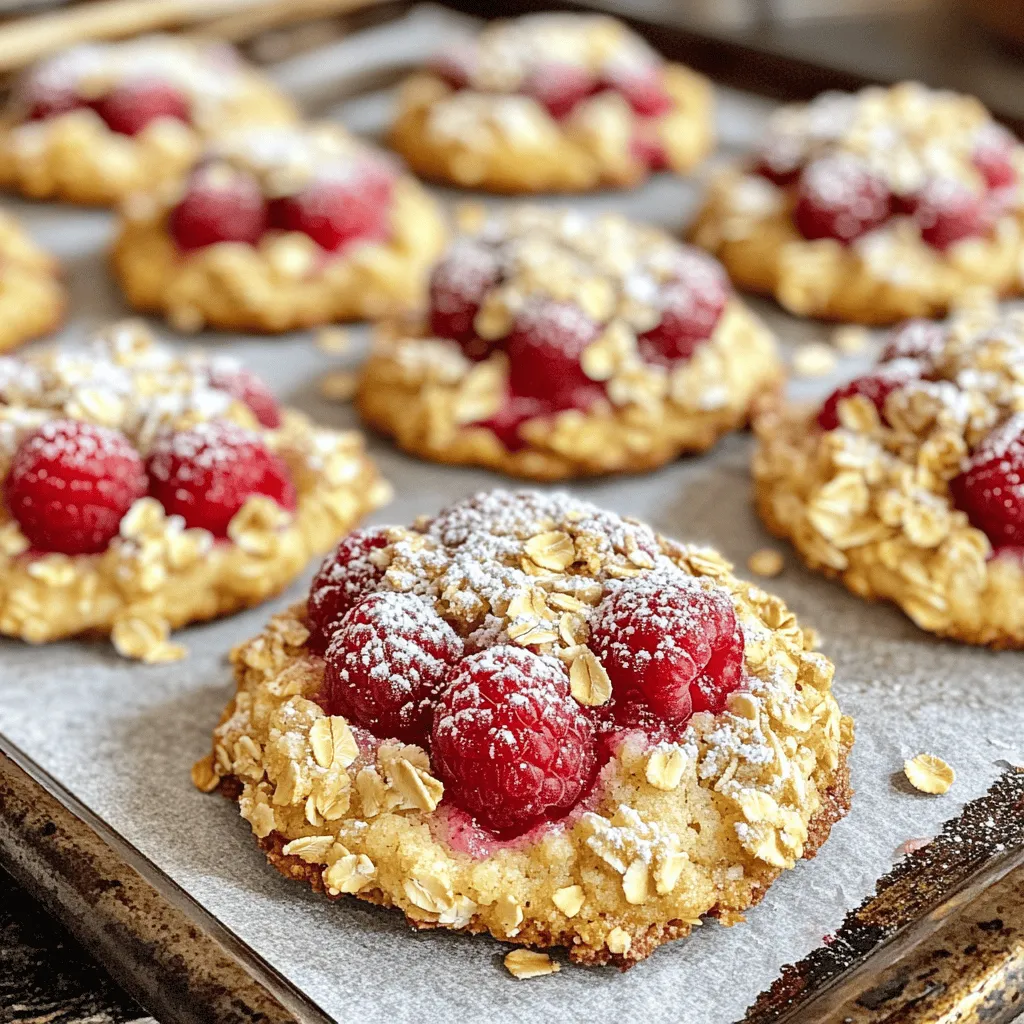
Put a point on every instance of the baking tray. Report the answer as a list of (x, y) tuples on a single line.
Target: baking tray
[(167, 885)]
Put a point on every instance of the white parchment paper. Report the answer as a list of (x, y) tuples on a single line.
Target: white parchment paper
[(122, 737)]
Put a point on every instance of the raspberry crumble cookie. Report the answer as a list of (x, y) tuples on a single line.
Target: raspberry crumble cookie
[(873, 207), (280, 227), (144, 489), (530, 717), (560, 345), (98, 121), (32, 297), (552, 103), (908, 482)]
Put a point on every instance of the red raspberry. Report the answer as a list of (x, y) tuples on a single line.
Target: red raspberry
[(991, 487), (669, 645), (386, 664), (692, 304), (342, 581), (916, 339), (514, 412), (544, 349), (129, 107), (248, 389), (219, 206), (841, 198), (45, 99), (206, 474), (70, 484), (993, 156), (877, 386), (780, 160), (510, 744), (457, 287), (643, 88), (337, 212), (559, 87), (948, 211), (648, 149)]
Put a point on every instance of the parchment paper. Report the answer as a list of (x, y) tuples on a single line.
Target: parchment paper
[(122, 737)]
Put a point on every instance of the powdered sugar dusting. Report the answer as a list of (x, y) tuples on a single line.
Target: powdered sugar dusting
[(121, 379)]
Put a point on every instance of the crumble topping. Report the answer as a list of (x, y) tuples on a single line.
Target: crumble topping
[(208, 74), (374, 819), (157, 575), (573, 270), (870, 501), (922, 148)]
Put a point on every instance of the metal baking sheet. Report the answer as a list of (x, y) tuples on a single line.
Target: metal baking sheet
[(121, 738)]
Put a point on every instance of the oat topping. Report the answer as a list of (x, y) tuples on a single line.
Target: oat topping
[(279, 226), (905, 485), (151, 571), (536, 314), (520, 577), (929, 774), (873, 207), (552, 102), (208, 74)]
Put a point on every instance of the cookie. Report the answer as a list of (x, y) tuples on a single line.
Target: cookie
[(32, 297), (530, 717), (99, 121), (144, 489), (280, 227), (872, 207), (552, 103), (906, 483), (560, 345)]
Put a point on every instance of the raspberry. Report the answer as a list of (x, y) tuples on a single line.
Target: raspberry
[(948, 211), (219, 206), (457, 287), (544, 349), (248, 389), (206, 474), (128, 108), (514, 412), (337, 212), (993, 156), (559, 87), (387, 662), (643, 88), (691, 306), (648, 149), (916, 339), (839, 197), (780, 159), (342, 581), (876, 386), (668, 645), (47, 99), (70, 484), (510, 744), (991, 487)]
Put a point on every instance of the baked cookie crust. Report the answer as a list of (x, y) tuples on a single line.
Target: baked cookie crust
[(75, 157), (157, 575), (485, 133), (870, 503), (670, 833), (436, 400), (32, 297), (285, 281), (905, 135)]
